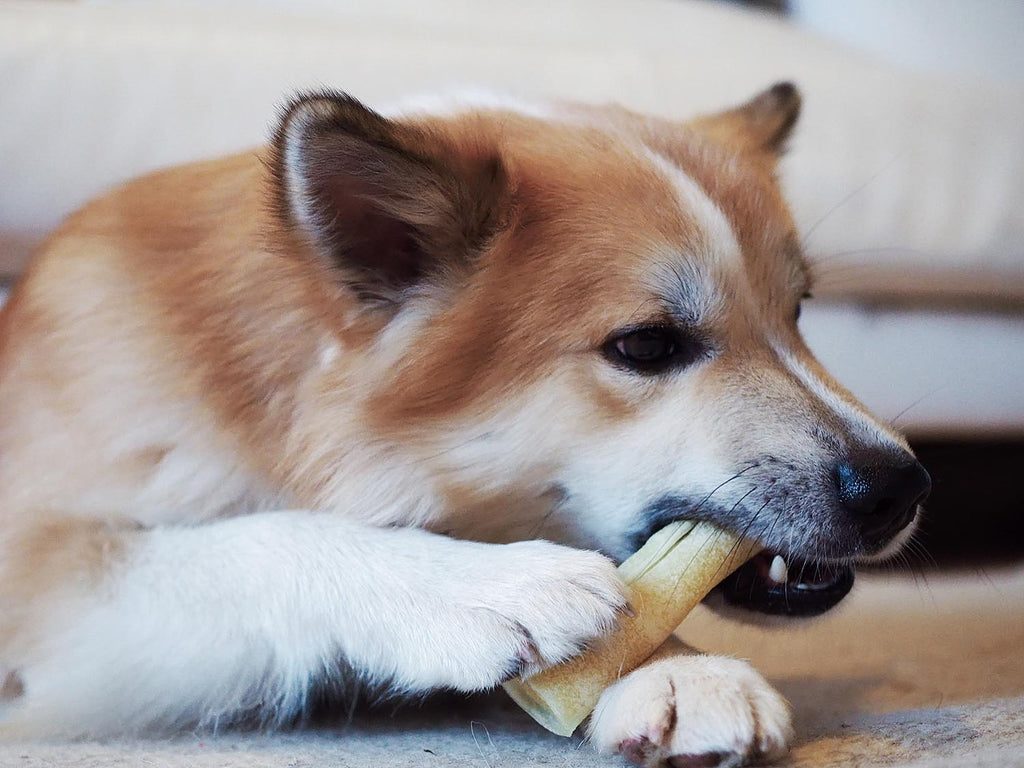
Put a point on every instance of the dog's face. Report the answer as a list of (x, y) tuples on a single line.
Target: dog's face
[(585, 324)]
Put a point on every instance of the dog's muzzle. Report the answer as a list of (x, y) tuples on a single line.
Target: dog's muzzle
[(881, 497)]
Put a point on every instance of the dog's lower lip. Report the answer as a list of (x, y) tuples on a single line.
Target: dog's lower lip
[(769, 583)]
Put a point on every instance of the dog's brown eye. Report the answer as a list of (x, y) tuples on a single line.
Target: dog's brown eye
[(646, 345), (651, 349)]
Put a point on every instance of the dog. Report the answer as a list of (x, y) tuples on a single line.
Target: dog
[(387, 400)]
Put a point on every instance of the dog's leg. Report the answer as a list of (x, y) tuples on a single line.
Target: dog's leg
[(683, 708), (115, 630)]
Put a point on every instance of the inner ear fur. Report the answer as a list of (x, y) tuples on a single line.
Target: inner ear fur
[(388, 203), (761, 125)]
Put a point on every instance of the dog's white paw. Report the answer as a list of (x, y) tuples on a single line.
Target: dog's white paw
[(532, 607), (687, 711)]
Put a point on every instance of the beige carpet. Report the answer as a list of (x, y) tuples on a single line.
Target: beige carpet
[(925, 673)]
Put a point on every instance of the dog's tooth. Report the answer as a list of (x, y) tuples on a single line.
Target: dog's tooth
[(778, 572)]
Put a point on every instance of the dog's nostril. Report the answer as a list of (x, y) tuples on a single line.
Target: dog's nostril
[(882, 496)]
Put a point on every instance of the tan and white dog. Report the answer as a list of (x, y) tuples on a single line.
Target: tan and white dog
[(479, 354)]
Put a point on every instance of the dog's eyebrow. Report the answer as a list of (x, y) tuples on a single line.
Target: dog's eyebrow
[(689, 294)]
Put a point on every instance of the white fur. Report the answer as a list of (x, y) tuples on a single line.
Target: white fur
[(329, 352), (855, 416), (719, 244), (248, 614), (609, 486), (218, 618), (299, 199), (684, 703)]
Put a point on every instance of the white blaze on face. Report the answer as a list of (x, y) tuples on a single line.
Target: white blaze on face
[(720, 254), (860, 422), (717, 242), (669, 446)]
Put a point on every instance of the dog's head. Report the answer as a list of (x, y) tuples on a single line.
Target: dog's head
[(582, 323)]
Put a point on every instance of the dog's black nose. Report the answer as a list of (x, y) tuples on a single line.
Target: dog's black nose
[(881, 494)]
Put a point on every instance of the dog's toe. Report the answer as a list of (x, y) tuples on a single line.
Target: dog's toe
[(529, 606), (692, 712)]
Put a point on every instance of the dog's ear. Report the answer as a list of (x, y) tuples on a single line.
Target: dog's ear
[(761, 125), (388, 204)]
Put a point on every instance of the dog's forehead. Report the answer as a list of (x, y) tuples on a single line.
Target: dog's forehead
[(695, 274), (606, 231), (675, 219), (641, 190), (745, 190)]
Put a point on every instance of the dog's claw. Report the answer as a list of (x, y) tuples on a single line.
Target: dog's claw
[(636, 751), (529, 658)]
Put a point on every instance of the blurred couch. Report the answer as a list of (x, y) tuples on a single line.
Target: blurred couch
[(909, 188)]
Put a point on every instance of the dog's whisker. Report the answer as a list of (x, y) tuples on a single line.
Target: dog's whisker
[(542, 523), (638, 312), (850, 196), (456, 447), (472, 730), (771, 528), (722, 485), (742, 536), (820, 257), (699, 506), (893, 421)]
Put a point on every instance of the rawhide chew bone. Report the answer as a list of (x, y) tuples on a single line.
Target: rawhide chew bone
[(668, 576)]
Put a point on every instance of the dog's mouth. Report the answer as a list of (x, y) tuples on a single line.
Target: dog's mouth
[(773, 584)]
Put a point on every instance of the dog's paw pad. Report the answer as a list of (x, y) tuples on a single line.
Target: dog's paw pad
[(637, 750)]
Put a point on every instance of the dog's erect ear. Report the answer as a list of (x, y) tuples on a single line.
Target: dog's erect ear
[(387, 203), (760, 125)]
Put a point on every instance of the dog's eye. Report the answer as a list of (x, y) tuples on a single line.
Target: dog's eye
[(651, 349)]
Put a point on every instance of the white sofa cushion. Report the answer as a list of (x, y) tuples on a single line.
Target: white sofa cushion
[(906, 187), (915, 175), (932, 372)]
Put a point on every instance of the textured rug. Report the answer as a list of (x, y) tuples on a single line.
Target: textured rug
[(910, 672)]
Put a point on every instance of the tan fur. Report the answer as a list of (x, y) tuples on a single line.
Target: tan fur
[(187, 284), (396, 324), (191, 272), (42, 562)]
